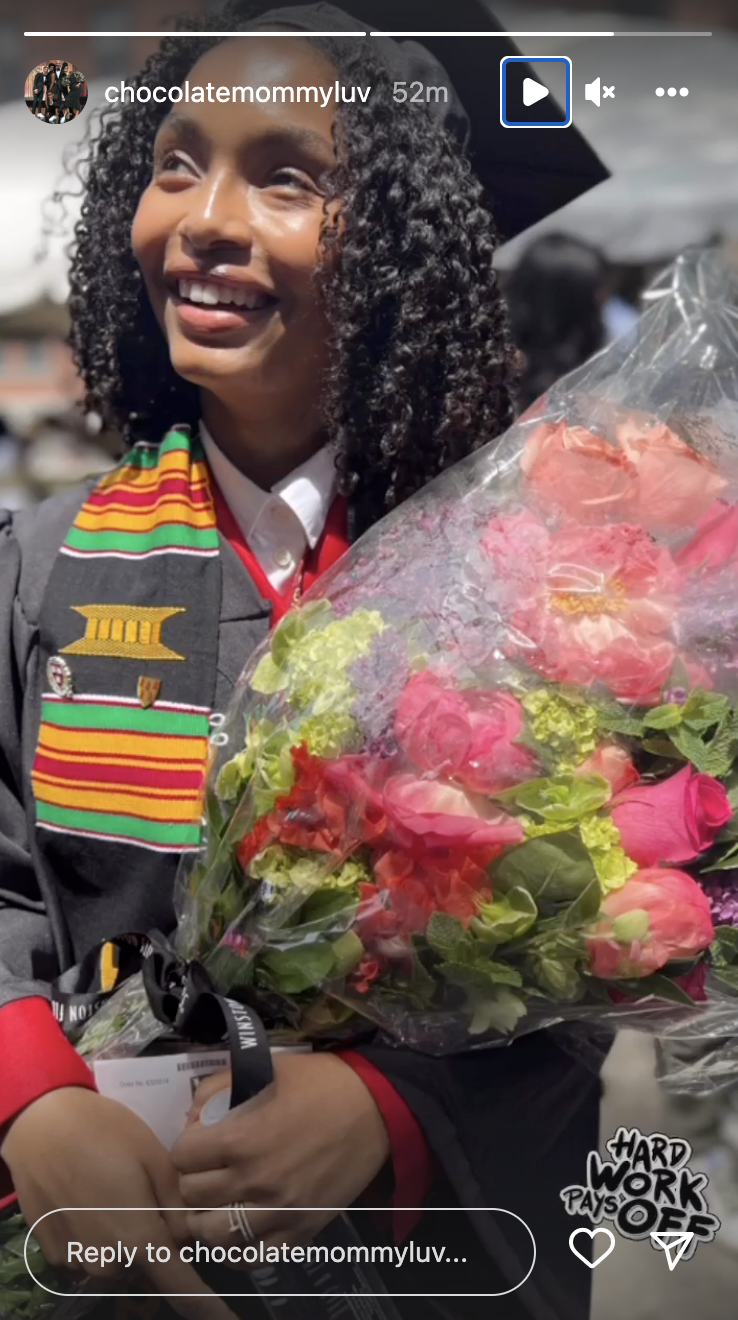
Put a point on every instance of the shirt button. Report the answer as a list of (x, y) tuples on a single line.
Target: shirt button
[(283, 558)]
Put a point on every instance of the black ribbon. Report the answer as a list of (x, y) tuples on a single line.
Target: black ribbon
[(181, 995)]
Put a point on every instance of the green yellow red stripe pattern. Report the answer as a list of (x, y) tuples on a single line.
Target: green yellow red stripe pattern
[(157, 501), (108, 768)]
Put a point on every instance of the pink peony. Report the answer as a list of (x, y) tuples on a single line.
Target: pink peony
[(587, 604), (657, 916), (578, 472), (676, 486), (715, 543), (612, 763), (672, 821), (427, 814), (467, 735)]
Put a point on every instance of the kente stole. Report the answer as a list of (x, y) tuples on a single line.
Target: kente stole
[(129, 637)]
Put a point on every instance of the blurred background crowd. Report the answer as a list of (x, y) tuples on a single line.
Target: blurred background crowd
[(573, 285)]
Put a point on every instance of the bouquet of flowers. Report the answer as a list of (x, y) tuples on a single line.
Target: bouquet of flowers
[(485, 778)]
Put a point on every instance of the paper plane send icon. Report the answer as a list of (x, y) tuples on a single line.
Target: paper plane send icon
[(533, 91), (675, 1247)]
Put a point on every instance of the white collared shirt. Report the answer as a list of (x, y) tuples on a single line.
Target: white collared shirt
[(282, 524)]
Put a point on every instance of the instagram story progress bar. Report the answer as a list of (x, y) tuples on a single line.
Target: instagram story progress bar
[(527, 103)]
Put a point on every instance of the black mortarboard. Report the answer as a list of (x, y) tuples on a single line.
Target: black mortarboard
[(528, 173)]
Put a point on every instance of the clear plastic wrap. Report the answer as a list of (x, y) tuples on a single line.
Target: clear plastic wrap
[(484, 779)]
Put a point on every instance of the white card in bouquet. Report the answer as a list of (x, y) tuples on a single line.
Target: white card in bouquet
[(161, 1089)]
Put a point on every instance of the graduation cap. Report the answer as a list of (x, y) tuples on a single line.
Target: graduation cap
[(528, 173)]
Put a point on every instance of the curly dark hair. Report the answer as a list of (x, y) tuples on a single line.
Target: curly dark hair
[(422, 363)]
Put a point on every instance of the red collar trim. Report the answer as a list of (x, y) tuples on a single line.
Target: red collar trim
[(333, 543)]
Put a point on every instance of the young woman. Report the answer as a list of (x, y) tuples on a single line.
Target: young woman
[(290, 312)]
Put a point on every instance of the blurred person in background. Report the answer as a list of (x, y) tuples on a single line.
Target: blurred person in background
[(556, 296), (14, 491)]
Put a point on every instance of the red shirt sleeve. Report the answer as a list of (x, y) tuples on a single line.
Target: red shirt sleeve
[(411, 1158), (36, 1055)]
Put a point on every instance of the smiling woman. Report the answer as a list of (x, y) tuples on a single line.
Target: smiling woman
[(236, 206), (289, 309)]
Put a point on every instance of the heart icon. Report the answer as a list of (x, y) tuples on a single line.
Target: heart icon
[(592, 1233)]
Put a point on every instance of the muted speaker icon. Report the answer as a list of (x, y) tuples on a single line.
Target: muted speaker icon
[(592, 91)]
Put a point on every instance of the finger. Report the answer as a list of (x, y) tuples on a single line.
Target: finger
[(216, 1187), (200, 1149), (209, 1086), (182, 1286), (214, 1229), (165, 1183)]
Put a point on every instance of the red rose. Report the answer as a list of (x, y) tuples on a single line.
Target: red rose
[(672, 821)]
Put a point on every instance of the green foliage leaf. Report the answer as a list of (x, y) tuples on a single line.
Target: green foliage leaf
[(268, 677), (482, 972), (446, 936), (554, 869), (664, 717), (563, 799), (559, 977), (703, 710), (614, 718), (500, 1010), (507, 918), (303, 967), (585, 908), (724, 948), (348, 952), (661, 987)]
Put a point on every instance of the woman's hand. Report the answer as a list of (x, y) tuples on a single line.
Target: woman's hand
[(314, 1138), (77, 1149)]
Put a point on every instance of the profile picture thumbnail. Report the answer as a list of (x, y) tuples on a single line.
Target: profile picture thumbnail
[(56, 91)]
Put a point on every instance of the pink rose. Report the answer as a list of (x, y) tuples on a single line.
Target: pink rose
[(466, 735), (612, 763), (421, 814), (672, 821), (715, 543), (656, 917), (578, 472), (676, 486), (427, 814)]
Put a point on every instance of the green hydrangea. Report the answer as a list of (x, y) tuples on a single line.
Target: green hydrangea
[(564, 723), (601, 838), (293, 870), (330, 735), (310, 663), (264, 765)]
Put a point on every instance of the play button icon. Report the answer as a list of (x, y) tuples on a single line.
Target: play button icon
[(533, 91)]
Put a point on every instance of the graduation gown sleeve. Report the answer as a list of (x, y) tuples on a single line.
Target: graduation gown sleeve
[(508, 1127), (36, 1057)]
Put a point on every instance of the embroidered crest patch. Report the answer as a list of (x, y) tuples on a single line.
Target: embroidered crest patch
[(147, 690), (59, 676)]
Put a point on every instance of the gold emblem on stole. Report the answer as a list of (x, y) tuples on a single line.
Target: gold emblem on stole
[(128, 632), (147, 690)]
